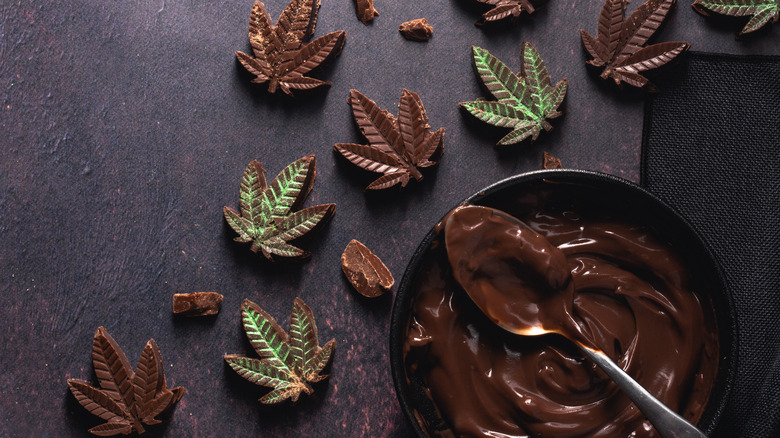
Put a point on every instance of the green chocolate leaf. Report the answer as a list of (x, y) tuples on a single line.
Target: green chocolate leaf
[(111, 429), (525, 100), (266, 336), (288, 363), (258, 371), (267, 220)]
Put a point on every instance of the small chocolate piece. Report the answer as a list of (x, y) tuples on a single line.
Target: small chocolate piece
[(365, 10), (369, 276), (550, 161), (196, 303), (416, 30)]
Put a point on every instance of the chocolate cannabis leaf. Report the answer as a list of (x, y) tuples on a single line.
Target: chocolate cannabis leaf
[(267, 219), (288, 363), (126, 400), (619, 47), (760, 11), (505, 8), (396, 148), (281, 58), (524, 100)]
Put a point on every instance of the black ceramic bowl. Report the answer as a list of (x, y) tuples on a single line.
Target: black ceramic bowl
[(616, 197)]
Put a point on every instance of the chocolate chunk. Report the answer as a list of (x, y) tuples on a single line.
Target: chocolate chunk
[(365, 271), (550, 161), (197, 303), (416, 30), (365, 10)]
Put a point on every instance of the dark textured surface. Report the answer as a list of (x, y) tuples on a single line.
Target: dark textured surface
[(125, 127), (713, 155)]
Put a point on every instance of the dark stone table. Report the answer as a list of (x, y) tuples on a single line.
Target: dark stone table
[(125, 128)]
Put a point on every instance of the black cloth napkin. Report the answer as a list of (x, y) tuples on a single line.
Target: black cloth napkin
[(711, 149)]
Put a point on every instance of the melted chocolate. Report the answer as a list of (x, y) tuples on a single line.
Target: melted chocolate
[(514, 275), (622, 291)]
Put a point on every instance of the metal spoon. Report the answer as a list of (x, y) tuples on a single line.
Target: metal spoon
[(519, 280)]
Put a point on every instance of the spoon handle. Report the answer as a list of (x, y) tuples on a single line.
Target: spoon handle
[(667, 422)]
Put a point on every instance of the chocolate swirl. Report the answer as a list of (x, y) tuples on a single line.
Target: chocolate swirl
[(628, 296)]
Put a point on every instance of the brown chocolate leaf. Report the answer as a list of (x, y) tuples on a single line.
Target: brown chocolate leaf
[(267, 219), (128, 400), (389, 180), (280, 56), (620, 44), (641, 25), (505, 9), (368, 275), (147, 374), (288, 363), (397, 147), (651, 57), (416, 30), (365, 11), (97, 402)]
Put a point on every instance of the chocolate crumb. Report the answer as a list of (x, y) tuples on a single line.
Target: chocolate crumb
[(550, 161), (196, 303), (368, 275), (416, 30), (365, 10)]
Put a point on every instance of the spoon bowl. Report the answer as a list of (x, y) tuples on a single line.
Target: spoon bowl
[(516, 277)]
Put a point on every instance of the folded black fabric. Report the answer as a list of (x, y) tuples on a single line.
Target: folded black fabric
[(711, 149)]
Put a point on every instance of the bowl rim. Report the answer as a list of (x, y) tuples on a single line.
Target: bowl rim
[(714, 408)]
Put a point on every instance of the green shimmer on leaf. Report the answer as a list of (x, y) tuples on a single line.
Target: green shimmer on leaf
[(266, 220), (760, 11), (288, 363), (524, 100)]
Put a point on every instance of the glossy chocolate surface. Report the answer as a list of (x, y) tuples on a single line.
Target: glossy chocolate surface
[(624, 291)]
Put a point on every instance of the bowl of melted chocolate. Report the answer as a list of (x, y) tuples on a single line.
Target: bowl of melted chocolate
[(646, 290)]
